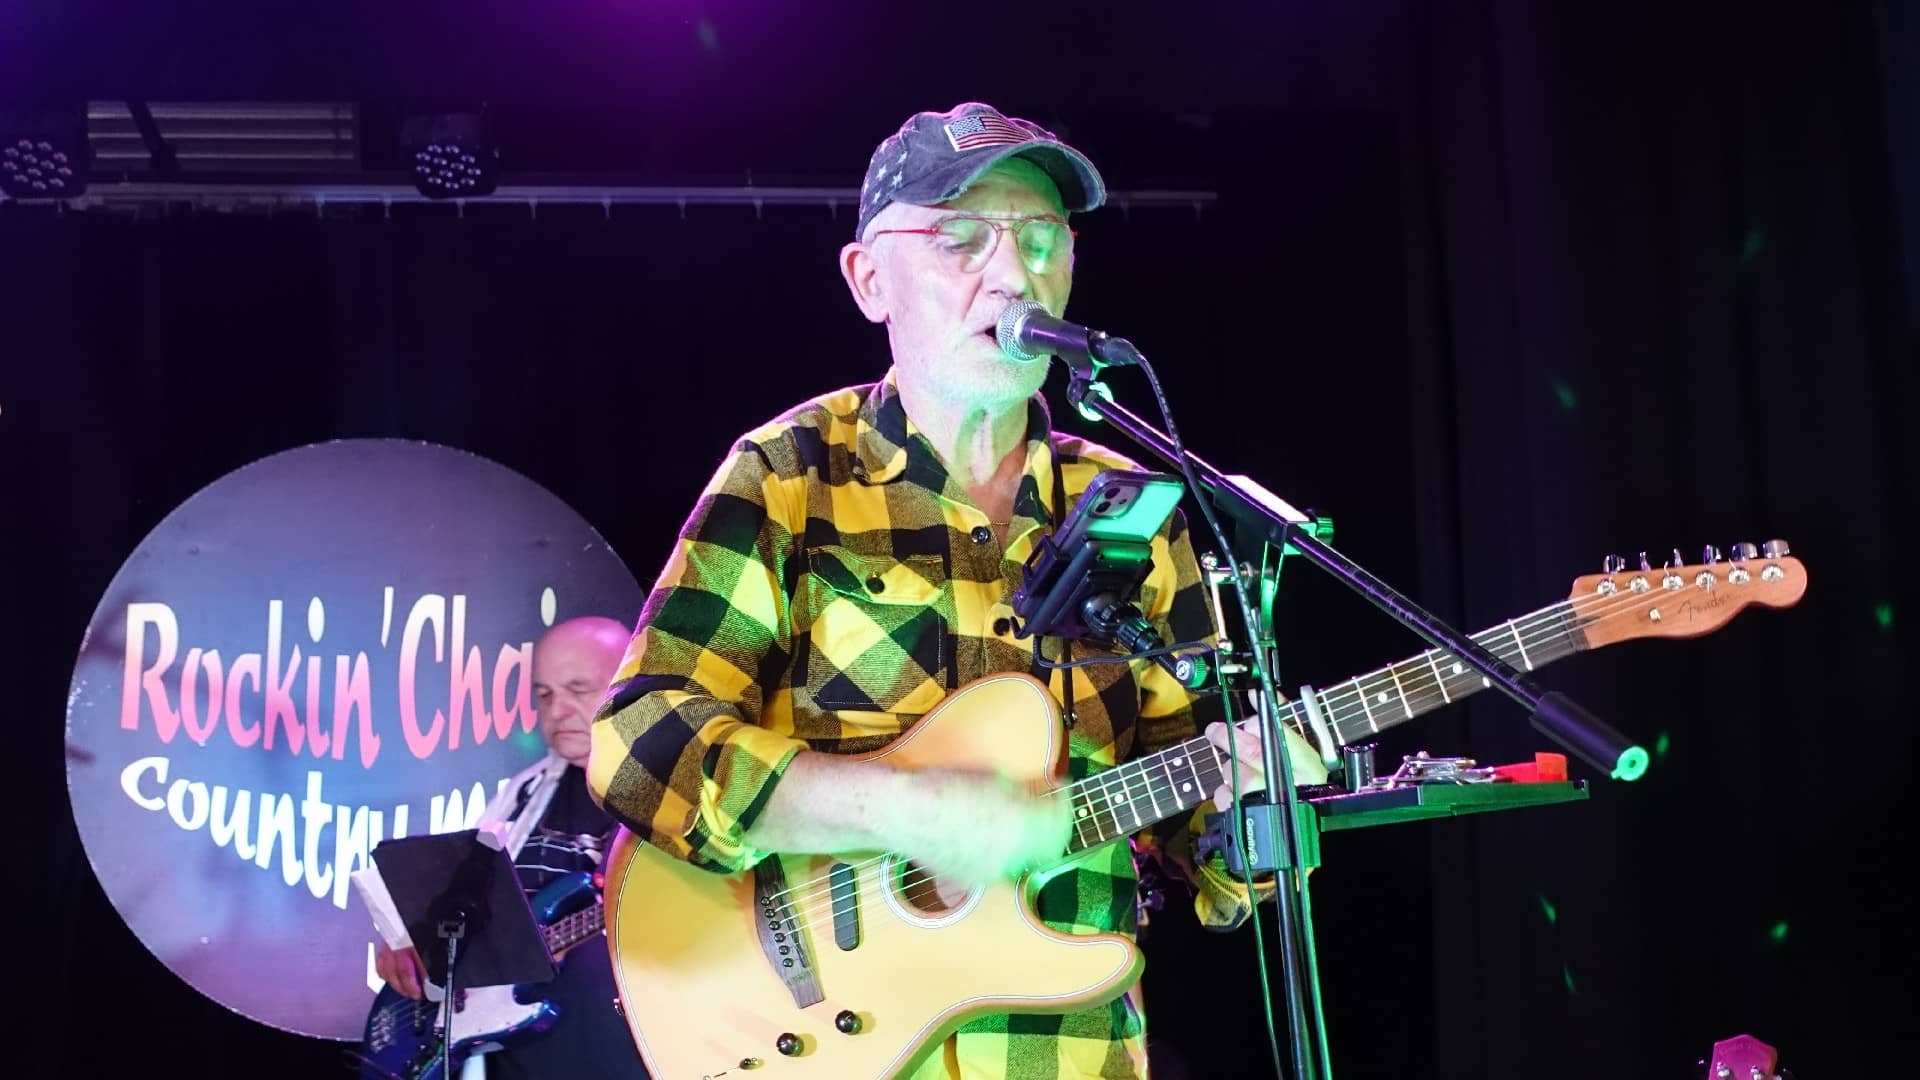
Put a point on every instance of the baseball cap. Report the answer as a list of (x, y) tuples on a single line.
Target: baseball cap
[(935, 155)]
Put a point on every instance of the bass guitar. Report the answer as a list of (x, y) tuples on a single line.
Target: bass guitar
[(404, 1036)]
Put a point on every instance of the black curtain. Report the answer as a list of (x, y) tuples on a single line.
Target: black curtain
[(1501, 288), (1663, 299)]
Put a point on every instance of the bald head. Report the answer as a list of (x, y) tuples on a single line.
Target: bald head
[(573, 663)]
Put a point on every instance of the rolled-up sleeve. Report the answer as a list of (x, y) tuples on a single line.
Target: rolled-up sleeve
[(678, 754)]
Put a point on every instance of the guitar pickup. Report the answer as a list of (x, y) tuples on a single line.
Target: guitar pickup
[(845, 891)]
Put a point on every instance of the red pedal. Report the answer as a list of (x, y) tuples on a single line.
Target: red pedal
[(1544, 768)]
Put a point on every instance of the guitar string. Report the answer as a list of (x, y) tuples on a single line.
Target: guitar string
[(1537, 628), (1555, 613)]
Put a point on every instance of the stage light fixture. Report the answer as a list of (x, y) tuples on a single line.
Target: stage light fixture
[(451, 155), (43, 154)]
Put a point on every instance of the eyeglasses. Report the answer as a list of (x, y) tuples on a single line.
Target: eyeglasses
[(1045, 243)]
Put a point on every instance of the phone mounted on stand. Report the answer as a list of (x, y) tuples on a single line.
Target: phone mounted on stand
[(1080, 583)]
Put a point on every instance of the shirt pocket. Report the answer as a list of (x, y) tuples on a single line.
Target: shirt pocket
[(877, 631)]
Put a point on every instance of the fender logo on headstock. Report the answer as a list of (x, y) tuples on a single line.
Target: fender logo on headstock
[(1699, 606)]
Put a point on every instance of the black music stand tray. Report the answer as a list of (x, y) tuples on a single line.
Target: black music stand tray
[(460, 889)]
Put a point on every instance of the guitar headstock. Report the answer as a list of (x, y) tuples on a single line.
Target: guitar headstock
[(1742, 1057), (1680, 599)]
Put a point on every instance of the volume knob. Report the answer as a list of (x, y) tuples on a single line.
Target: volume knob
[(788, 1044), (847, 1021)]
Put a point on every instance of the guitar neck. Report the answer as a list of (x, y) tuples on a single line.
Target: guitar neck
[(565, 933), (1122, 801)]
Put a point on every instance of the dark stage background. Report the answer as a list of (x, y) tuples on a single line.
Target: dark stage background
[(1502, 288)]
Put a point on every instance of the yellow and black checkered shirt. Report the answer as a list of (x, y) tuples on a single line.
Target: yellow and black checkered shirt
[(833, 584)]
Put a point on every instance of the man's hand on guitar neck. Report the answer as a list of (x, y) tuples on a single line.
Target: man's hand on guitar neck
[(401, 969), (1307, 767)]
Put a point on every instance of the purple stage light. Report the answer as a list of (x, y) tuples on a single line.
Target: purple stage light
[(43, 155), (451, 155)]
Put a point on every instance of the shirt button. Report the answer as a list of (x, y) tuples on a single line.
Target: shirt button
[(1002, 625), (874, 584), (981, 534)]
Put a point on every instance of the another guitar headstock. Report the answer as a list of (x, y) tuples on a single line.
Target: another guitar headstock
[(1681, 599), (1742, 1057)]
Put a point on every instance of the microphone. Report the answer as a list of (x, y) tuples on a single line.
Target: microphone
[(1027, 333)]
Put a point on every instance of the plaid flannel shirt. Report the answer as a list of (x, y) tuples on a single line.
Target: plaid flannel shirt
[(832, 585)]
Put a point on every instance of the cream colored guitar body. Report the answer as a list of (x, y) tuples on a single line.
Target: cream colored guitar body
[(704, 998)]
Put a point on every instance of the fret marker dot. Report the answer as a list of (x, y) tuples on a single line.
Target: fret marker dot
[(1458, 668), (1382, 699), (1084, 811), (1179, 761), (1186, 787), (1121, 797)]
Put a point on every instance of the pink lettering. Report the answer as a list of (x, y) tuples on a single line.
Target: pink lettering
[(430, 608), (134, 680), (280, 691), (350, 695), (512, 661), (316, 735), (466, 686), (189, 695), (247, 669)]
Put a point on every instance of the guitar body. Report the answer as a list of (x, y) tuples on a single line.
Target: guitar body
[(702, 994), (403, 1035)]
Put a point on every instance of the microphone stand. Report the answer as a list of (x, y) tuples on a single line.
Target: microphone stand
[(1261, 513)]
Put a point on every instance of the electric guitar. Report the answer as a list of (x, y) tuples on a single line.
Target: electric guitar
[(845, 968), (403, 1036)]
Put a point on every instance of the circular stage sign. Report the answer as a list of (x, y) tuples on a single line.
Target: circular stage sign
[(324, 649)]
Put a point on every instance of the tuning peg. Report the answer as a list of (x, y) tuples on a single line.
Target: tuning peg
[(1709, 555), (1742, 551), (1644, 564), (1774, 549), (1612, 564), (1677, 562)]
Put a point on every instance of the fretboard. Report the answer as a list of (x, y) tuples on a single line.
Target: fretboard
[(567, 932), (1123, 800)]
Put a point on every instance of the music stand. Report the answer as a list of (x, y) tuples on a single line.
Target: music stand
[(460, 889)]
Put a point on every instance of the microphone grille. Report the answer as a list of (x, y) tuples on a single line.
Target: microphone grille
[(1008, 332)]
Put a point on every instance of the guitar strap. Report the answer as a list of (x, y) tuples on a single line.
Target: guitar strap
[(524, 802)]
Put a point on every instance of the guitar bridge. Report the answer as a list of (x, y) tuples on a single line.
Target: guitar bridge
[(781, 936)]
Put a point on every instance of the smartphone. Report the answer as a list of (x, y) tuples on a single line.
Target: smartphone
[(1122, 504), (1104, 547)]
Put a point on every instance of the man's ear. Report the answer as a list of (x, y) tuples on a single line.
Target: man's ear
[(862, 274)]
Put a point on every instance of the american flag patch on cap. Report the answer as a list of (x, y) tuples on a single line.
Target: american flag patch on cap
[(983, 129)]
